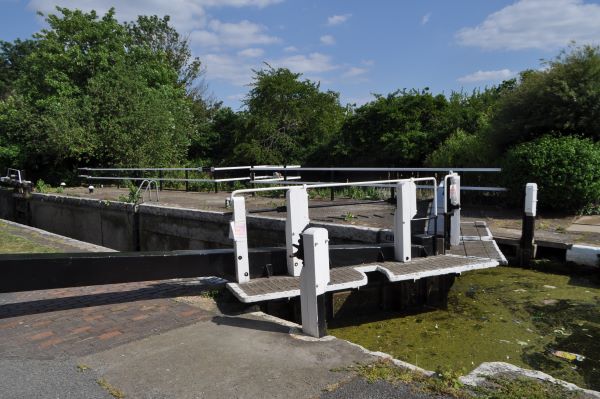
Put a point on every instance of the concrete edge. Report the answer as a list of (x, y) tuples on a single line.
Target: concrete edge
[(187, 213), (71, 241), (490, 369), (81, 201)]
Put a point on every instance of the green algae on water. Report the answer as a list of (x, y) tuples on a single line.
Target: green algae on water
[(503, 314)]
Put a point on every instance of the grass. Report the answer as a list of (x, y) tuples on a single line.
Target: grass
[(447, 383), (502, 314), (506, 387), (12, 243)]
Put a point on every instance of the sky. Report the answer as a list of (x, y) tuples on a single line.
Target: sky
[(354, 47)]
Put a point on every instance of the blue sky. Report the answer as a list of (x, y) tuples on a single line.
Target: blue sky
[(351, 46)]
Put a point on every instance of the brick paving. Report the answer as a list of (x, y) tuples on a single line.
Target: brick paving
[(85, 320)]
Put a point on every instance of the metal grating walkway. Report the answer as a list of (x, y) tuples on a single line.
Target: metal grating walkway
[(477, 250), (277, 287), (343, 278), (476, 240), (431, 266)]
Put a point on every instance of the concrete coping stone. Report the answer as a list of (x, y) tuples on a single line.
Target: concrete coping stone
[(79, 201)]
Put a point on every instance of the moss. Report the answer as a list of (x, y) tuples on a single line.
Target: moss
[(503, 314), (509, 387), (12, 243)]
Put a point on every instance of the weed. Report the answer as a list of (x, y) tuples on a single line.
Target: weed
[(82, 367), (42, 187), (114, 392), (133, 196), (505, 387), (591, 209), (385, 370), (348, 217), (443, 383), (212, 294)]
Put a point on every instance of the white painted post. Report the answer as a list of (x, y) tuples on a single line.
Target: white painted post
[(296, 221), (531, 199), (239, 234), (527, 246), (406, 209), (313, 281), (454, 188)]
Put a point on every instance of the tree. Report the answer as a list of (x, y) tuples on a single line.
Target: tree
[(560, 100), (399, 129), (160, 37), (90, 93), (11, 57), (287, 119)]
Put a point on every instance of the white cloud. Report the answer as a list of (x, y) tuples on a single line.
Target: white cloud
[(290, 49), (313, 63), (236, 97), (368, 62), (487, 76), (238, 70), (539, 24), (251, 52), (338, 19), (241, 34), (328, 40), (186, 15), (425, 18), (228, 68), (358, 101), (354, 71)]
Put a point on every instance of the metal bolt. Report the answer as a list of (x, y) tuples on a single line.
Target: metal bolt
[(246, 274), (240, 257)]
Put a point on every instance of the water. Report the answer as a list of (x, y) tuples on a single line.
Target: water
[(503, 314)]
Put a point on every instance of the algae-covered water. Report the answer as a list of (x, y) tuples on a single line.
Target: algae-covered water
[(502, 314)]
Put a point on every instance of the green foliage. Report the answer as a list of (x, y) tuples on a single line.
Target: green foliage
[(133, 196), (566, 169), (41, 187), (462, 150), (91, 91), (507, 387), (287, 119), (399, 129), (11, 58), (562, 99)]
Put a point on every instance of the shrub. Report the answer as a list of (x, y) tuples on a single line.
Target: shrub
[(566, 169), (461, 149)]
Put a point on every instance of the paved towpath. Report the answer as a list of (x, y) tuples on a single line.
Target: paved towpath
[(163, 340)]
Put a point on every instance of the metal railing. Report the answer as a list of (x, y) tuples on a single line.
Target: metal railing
[(287, 175)]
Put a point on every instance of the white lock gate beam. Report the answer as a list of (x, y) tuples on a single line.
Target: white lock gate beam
[(296, 222), (313, 281), (406, 209), (238, 232)]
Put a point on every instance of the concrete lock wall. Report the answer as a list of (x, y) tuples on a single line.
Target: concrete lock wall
[(146, 227), (105, 223), (7, 204), (167, 229)]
